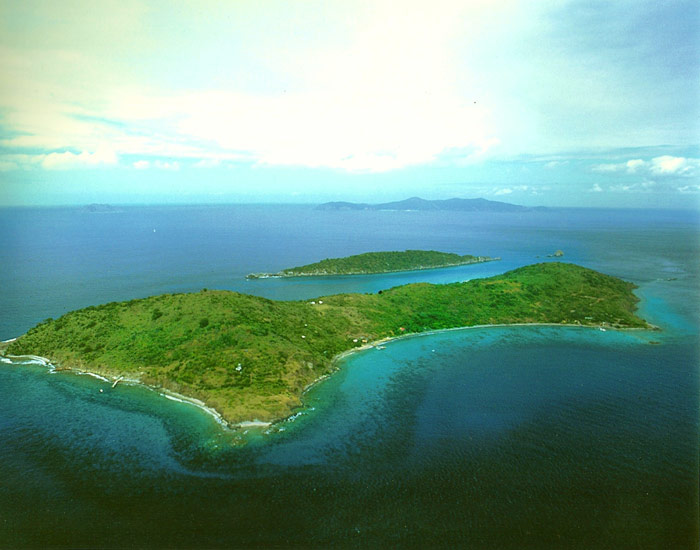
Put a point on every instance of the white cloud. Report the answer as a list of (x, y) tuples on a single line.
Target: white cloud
[(388, 128), (8, 165), (21, 161), (208, 163), (159, 164), (674, 165), (519, 188), (383, 98), (649, 186), (66, 160), (85, 159), (359, 87), (634, 165), (623, 188), (608, 167), (164, 165), (597, 188), (665, 165)]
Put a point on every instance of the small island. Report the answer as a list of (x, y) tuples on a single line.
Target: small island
[(250, 358), (377, 262)]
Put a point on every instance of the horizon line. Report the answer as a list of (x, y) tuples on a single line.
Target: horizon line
[(691, 208)]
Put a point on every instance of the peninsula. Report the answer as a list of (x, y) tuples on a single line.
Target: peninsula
[(251, 358), (377, 262)]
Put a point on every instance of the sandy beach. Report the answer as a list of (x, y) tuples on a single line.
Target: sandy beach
[(255, 423)]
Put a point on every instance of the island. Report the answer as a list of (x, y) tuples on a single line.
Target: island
[(419, 204), (377, 262), (100, 208), (251, 359)]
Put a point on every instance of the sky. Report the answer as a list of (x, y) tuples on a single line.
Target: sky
[(555, 103)]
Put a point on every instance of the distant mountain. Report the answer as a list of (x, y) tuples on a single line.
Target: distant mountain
[(416, 203)]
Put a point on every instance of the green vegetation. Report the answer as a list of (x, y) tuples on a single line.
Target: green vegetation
[(377, 262), (249, 357)]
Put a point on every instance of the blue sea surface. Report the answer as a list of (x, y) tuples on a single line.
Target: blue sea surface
[(59, 259), (504, 437)]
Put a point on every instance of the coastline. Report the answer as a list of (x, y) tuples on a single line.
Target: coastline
[(376, 343), (282, 275), (164, 392), (255, 423)]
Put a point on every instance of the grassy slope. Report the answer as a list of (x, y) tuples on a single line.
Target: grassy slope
[(193, 343), (380, 262)]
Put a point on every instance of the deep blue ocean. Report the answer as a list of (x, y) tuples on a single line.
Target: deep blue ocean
[(506, 437)]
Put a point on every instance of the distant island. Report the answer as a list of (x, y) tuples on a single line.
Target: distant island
[(99, 208), (416, 203), (250, 358), (377, 262)]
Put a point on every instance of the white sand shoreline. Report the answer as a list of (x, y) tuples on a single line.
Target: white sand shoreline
[(255, 423), (376, 343), (173, 396)]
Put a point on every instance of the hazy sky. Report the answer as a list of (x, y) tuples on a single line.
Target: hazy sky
[(540, 102)]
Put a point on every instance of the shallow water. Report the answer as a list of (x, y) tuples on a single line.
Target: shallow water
[(483, 438)]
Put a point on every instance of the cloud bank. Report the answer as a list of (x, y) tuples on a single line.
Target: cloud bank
[(664, 166)]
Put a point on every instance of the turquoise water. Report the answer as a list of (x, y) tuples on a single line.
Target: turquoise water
[(506, 437)]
